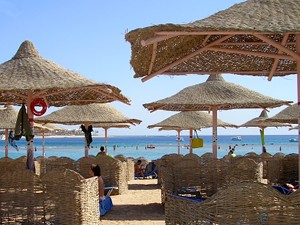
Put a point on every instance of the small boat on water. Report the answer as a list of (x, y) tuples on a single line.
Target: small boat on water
[(236, 138), (293, 140), (150, 146)]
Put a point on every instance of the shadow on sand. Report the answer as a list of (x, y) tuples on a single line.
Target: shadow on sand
[(153, 211)]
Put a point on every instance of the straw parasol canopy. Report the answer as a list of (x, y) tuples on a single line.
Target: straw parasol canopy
[(95, 114), (44, 128), (28, 75), (212, 95), (8, 117), (107, 126), (262, 123), (188, 120), (255, 37), (29, 79), (287, 115)]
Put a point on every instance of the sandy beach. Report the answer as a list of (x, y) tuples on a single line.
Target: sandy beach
[(141, 205)]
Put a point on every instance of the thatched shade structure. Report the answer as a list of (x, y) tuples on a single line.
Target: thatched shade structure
[(287, 115), (8, 117), (107, 126), (45, 128), (262, 123), (189, 120), (213, 95), (91, 114), (255, 37), (28, 77)]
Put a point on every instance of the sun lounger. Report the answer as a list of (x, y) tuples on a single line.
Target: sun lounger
[(282, 190), (106, 205)]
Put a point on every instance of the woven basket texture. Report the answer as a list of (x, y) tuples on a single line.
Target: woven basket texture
[(241, 203), (130, 166), (208, 175), (114, 173), (58, 197)]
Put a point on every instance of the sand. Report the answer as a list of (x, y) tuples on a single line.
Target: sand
[(141, 205)]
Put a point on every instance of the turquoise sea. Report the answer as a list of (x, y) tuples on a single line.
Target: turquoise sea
[(134, 146)]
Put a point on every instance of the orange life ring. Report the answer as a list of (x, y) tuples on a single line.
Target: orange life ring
[(38, 102)]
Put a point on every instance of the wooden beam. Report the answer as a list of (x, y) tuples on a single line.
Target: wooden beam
[(276, 60), (186, 58), (156, 39), (177, 33), (279, 46), (152, 57), (185, 73), (261, 54)]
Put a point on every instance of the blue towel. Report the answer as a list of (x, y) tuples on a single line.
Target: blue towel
[(105, 206)]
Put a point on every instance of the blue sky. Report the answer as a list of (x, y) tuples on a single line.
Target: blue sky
[(88, 37)]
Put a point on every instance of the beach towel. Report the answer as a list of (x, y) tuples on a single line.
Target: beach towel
[(105, 206)]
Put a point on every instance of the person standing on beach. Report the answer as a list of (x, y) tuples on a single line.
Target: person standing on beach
[(102, 152)]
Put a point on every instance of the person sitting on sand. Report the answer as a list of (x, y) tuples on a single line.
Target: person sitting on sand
[(138, 170), (102, 152), (96, 171)]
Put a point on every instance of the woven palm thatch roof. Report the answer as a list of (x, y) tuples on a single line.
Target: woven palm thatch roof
[(189, 120), (255, 37), (215, 92), (8, 117), (287, 115), (29, 75), (47, 127), (262, 122), (95, 113), (112, 125)]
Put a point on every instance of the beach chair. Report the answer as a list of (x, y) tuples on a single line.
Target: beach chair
[(282, 190), (150, 171), (106, 205)]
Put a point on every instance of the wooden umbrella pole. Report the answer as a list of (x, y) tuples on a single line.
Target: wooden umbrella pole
[(191, 137), (178, 141), (30, 145), (105, 131), (215, 135), (298, 90), (6, 142), (43, 143)]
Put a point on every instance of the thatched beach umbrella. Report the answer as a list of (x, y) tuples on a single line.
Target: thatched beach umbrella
[(213, 95), (255, 37), (91, 114), (45, 128), (189, 120), (262, 123), (8, 120), (30, 79), (287, 115), (107, 126)]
